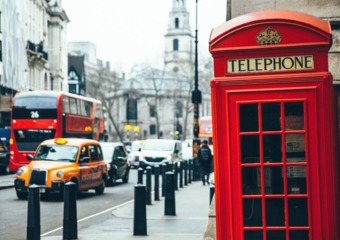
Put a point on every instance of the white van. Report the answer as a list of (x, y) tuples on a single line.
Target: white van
[(136, 147), (159, 151)]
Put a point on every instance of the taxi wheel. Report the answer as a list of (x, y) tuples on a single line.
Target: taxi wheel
[(22, 195), (5, 169), (100, 189)]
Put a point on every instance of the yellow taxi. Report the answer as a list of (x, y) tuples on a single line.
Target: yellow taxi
[(62, 160)]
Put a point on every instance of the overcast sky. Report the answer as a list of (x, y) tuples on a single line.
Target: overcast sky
[(128, 32)]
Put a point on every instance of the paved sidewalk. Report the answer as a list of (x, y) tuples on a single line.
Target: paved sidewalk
[(190, 222)]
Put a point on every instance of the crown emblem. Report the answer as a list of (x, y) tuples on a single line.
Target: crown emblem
[(268, 36)]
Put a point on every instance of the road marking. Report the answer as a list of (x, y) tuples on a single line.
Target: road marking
[(91, 216)]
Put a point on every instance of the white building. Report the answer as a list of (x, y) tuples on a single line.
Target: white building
[(158, 101), (34, 50), (153, 102)]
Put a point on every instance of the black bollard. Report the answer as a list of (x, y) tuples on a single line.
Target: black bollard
[(156, 172), (33, 213), (148, 185), (170, 201), (170, 167), (185, 172), (196, 172), (139, 219), (70, 230), (140, 176), (181, 174), (164, 168), (212, 192), (176, 176), (190, 171)]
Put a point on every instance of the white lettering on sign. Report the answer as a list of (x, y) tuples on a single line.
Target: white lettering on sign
[(287, 63)]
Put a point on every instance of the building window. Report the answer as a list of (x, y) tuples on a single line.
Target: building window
[(45, 82), (176, 23), (152, 129), (131, 109), (179, 109), (175, 44), (72, 88), (152, 111), (72, 75)]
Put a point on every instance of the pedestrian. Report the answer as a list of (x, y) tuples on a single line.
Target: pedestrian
[(205, 160)]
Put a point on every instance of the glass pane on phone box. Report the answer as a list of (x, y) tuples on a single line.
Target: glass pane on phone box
[(271, 115), (253, 235), (276, 235), (275, 214), (294, 117), (296, 179), (251, 181), (249, 117), (299, 235), (273, 180), (250, 149), (298, 212), (295, 147), (252, 212), (272, 148)]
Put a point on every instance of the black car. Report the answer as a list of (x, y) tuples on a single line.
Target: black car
[(4, 158), (117, 161)]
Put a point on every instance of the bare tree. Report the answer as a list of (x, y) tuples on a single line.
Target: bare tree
[(153, 90), (105, 85)]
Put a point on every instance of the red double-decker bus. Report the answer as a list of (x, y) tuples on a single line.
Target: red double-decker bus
[(40, 115), (205, 130)]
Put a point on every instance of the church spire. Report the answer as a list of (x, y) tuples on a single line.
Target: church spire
[(178, 39), (178, 3)]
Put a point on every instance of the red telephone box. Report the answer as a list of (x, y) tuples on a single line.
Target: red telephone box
[(274, 128)]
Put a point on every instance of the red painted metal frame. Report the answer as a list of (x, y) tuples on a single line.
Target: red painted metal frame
[(303, 34)]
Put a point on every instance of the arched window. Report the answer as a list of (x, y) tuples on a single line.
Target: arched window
[(176, 23), (175, 44), (152, 111)]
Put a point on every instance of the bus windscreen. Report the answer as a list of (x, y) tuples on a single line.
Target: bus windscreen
[(35, 108), (29, 139)]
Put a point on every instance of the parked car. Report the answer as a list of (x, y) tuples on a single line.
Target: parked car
[(62, 160), (159, 151), (4, 158), (117, 161), (136, 147), (187, 149)]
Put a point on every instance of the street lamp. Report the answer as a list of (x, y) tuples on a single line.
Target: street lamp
[(196, 97), (136, 130), (128, 128)]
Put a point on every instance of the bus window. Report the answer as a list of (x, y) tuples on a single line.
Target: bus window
[(66, 106), (73, 106), (82, 107), (88, 108)]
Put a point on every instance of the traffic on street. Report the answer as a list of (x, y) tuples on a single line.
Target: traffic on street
[(13, 217)]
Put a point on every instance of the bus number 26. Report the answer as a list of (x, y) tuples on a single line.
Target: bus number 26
[(34, 114)]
